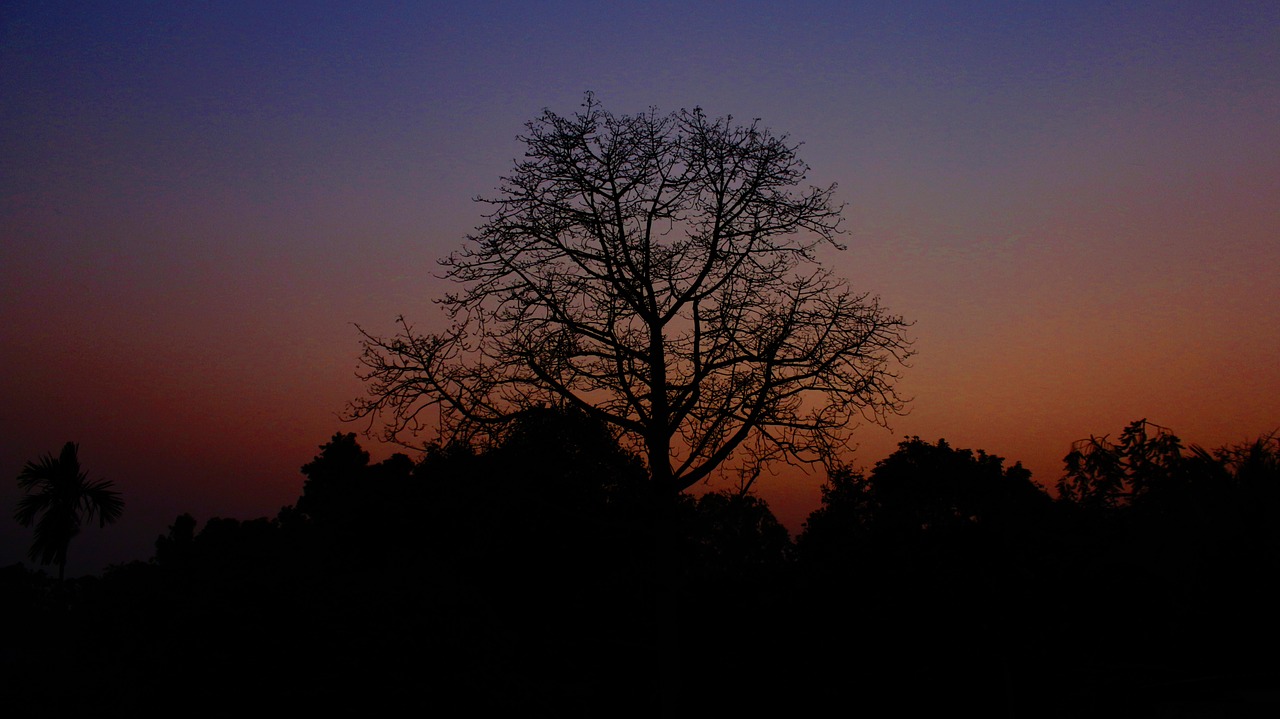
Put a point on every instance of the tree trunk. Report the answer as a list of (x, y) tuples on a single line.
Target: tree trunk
[(658, 435)]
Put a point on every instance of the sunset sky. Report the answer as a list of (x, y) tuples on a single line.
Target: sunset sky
[(1078, 204)]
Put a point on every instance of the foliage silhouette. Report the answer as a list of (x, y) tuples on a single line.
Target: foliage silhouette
[(927, 569), (554, 494), (840, 527), (935, 487), (1101, 474), (527, 575), (659, 273), (567, 455), (922, 492), (176, 546), (330, 475), (1148, 473), (1171, 562), (63, 496), (736, 537)]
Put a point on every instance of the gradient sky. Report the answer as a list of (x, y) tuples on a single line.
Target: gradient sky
[(1077, 203)]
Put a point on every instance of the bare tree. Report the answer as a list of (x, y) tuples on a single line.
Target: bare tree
[(658, 272)]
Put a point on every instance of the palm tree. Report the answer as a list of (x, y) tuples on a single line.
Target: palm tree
[(58, 490)]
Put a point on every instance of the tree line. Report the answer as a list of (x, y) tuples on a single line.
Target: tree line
[(542, 573)]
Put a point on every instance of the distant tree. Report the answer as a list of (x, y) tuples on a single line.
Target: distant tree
[(736, 536), (64, 498), (936, 487), (923, 490), (939, 548), (1101, 474), (353, 511), (1148, 468), (1254, 504), (1258, 460), (658, 272), (570, 458), (839, 527), (332, 474), (1187, 537), (175, 547), (555, 489)]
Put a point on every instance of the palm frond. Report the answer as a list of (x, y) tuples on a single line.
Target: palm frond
[(99, 498), (34, 474), (63, 497), (31, 505), (53, 534)]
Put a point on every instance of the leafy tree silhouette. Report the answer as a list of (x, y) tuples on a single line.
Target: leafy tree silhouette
[(342, 463), (927, 564), (936, 487), (1187, 539), (554, 491), (569, 457), (840, 527), (659, 273), (1101, 474), (175, 547), (734, 537), (353, 511), (922, 490), (62, 495)]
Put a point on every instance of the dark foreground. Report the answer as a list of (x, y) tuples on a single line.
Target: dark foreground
[(539, 578)]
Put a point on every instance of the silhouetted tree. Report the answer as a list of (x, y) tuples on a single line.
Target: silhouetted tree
[(555, 492), (923, 489), (1253, 515), (1255, 462), (175, 546), (1149, 473), (340, 480), (354, 511), (342, 462), (569, 457), (1101, 474), (1254, 468), (929, 564), (1174, 561), (64, 498), (658, 272), (737, 537), (840, 526)]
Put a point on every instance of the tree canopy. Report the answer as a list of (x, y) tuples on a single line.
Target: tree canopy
[(660, 273), (64, 498), (921, 490)]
